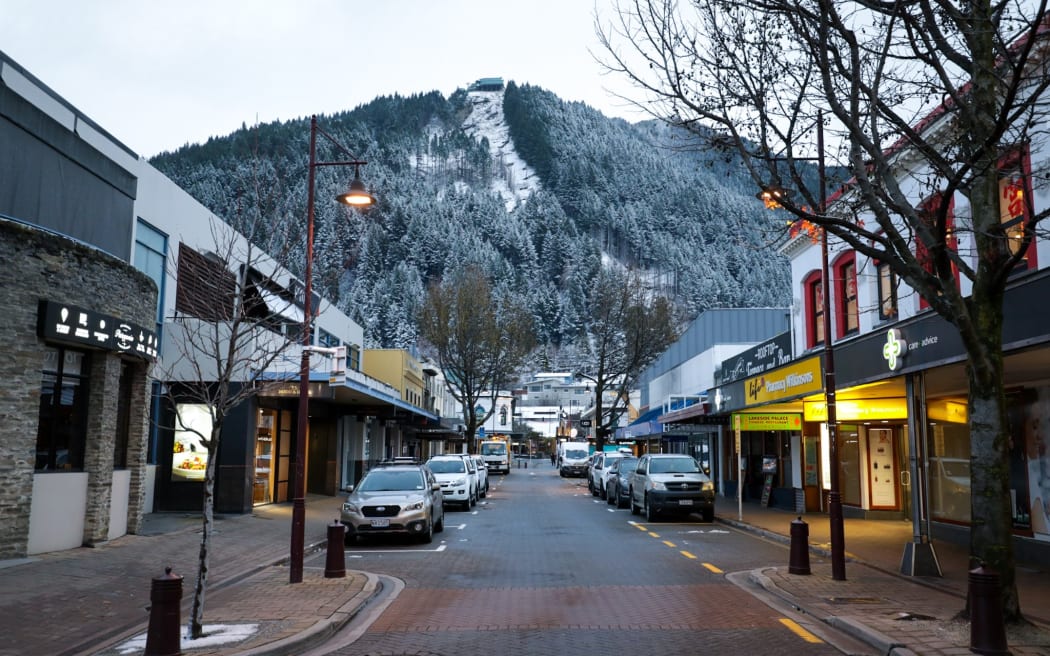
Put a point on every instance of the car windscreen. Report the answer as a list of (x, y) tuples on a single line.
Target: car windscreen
[(624, 465), (673, 466), (390, 481), (575, 454), (499, 449), (450, 466)]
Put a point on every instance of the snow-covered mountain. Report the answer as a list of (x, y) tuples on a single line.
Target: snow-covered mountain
[(538, 192)]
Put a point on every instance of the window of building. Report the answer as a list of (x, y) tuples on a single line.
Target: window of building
[(929, 212), (887, 281), (845, 277), (205, 287), (151, 256), (1015, 190), (62, 431), (353, 358), (326, 339), (120, 446), (813, 295), (190, 452)]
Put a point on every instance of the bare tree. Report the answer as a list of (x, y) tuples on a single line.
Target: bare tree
[(477, 338), (931, 105), (627, 329), (234, 319)]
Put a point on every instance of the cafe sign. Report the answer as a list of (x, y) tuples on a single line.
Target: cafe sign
[(756, 421), (803, 377)]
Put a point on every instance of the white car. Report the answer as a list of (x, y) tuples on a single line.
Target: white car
[(457, 481), (600, 472), (483, 476)]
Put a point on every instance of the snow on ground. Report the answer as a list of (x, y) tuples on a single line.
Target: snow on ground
[(214, 634), (514, 180)]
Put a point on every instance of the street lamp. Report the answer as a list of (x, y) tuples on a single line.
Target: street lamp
[(357, 196), (771, 198)]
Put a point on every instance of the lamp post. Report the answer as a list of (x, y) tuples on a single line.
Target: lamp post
[(357, 196), (838, 540)]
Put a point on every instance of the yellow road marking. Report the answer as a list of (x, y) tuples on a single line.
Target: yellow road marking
[(688, 555), (640, 527), (655, 535), (670, 544), (712, 568), (799, 631)]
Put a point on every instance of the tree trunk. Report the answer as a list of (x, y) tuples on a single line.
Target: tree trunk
[(197, 612), (991, 531)]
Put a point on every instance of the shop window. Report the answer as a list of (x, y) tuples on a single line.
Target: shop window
[(813, 291), (62, 431), (1015, 192), (949, 470), (929, 213), (887, 283), (845, 277), (353, 358), (847, 438), (192, 432)]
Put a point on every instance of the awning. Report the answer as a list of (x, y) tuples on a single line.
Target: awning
[(280, 306)]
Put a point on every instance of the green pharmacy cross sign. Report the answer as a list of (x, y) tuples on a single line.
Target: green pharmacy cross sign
[(894, 349)]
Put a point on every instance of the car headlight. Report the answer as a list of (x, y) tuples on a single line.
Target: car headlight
[(416, 505), (657, 485), (459, 481), (350, 508), (708, 487)]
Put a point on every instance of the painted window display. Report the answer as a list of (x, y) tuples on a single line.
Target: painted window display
[(189, 459)]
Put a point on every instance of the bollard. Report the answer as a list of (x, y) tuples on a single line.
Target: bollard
[(987, 629), (799, 547), (163, 638), (335, 561)]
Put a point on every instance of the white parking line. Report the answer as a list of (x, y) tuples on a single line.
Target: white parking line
[(352, 554)]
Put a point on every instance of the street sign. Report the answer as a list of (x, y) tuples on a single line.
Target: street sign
[(481, 432)]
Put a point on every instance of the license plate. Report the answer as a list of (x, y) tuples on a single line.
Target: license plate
[(685, 502), (380, 523)]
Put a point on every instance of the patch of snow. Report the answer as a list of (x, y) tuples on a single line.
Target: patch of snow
[(514, 180), (214, 634)]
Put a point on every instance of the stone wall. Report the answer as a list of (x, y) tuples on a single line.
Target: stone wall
[(38, 265)]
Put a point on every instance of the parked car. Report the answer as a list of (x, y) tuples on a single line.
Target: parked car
[(669, 483), (573, 458), (394, 499), (600, 471), (483, 476), (618, 485), (457, 481)]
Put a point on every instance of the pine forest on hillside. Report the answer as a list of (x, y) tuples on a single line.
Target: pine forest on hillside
[(598, 192)]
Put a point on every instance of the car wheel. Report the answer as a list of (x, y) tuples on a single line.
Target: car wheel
[(428, 535), (440, 525), (708, 514), (650, 514), (634, 508), (620, 503), (609, 498)]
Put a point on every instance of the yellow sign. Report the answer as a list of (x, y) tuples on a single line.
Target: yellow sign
[(801, 378), (862, 410), (767, 421), (952, 412)]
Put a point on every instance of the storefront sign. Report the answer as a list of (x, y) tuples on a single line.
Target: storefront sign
[(894, 349), (803, 377), (61, 322), (863, 410), (768, 355), (755, 421)]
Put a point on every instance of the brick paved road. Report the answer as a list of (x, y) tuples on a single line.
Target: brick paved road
[(541, 568)]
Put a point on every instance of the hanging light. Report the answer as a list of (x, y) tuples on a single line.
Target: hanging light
[(357, 196), (771, 197)]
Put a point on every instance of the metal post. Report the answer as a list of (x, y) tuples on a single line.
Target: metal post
[(295, 569), (838, 540)]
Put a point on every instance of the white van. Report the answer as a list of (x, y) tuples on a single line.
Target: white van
[(573, 458)]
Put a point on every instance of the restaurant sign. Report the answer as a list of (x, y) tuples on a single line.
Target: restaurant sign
[(62, 322), (755, 421)]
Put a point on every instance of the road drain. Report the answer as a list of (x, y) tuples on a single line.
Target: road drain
[(855, 600)]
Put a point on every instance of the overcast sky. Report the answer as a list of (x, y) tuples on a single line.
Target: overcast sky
[(157, 74)]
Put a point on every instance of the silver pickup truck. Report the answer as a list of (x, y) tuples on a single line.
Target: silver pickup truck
[(670, 483)]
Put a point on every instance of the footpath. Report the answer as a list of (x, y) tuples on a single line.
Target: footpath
[(95, 601)]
